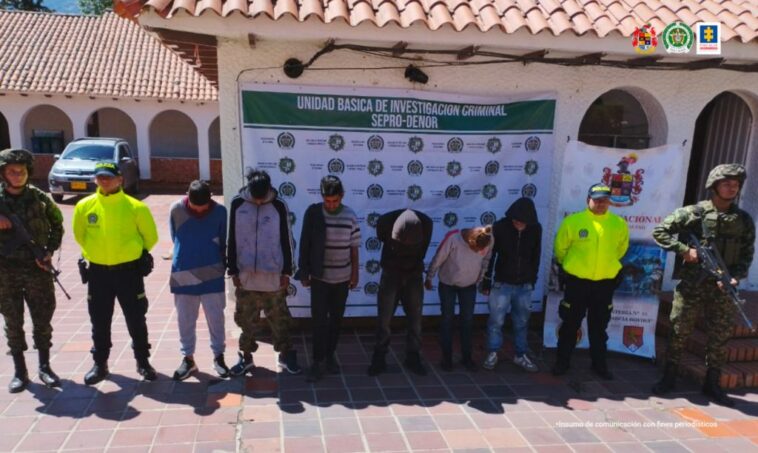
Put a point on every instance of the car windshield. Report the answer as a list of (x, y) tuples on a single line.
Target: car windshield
[(89, 152)]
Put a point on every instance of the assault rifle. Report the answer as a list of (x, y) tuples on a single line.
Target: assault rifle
[(21, 237), (712, 265)]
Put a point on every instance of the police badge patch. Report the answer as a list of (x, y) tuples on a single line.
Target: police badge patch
[(531, 167), (92, 218), (336, 142), (492, 168), (415, 168), (487, 218), (494, 145), (375, 167), (415, 144), (373, 244), (450, 219), (287, 189), (453, 192), (454, 168), (532, 144), (286, 165), (455, 145), (372, 266), (489, 191), (529, 190), (374, 192), (285, 140), (375, 143), (371, 288), (414, 192)]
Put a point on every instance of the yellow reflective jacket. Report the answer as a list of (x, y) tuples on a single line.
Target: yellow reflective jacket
[(113, 229), (590, 246)]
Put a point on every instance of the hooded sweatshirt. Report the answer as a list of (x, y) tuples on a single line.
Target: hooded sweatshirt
[(406, 234), (260, 241), (516, 254)]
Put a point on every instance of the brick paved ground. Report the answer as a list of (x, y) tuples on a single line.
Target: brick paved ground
[(458, 411)]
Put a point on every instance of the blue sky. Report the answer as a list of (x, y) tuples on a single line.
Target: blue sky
[(62, 6)]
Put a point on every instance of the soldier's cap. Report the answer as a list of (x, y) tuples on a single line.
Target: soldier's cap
[(107, 169), (599, 190)]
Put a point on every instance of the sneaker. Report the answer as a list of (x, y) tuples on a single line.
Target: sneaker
[(469, 365), (185, 370), (490, 362), (525, 363), (219, 365), (332, 367), (288, 362), (315, 373), (244, 365)]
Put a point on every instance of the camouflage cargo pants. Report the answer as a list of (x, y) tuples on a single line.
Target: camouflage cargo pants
[(26, 282), (690, 300), (248, 313)]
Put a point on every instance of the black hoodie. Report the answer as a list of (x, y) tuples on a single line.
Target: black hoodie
[(516, 254)]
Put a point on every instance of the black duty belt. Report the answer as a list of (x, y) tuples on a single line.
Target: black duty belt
[(131, 265)]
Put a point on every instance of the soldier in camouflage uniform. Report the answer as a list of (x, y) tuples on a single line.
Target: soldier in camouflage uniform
[(22, 277), (733, 234)]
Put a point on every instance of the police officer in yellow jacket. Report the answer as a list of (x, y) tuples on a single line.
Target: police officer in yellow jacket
[(115, 233), (589, 247)]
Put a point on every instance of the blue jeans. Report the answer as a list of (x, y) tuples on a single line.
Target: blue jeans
[(466, 298), (516, 299)]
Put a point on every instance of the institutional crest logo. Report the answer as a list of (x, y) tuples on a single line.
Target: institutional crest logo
[(531, 167), (92, 219), (491, 168), (487, 218), (489, 191), (416, 144), (532, 144), (287, 189), (455, 145), (285, 140), (336, 142), (454, 168), (450, 219), (335, 166), (373, 244), (644, 40), (494, 145), (453, 192), (583, 233), (291, 290), (375, 143), (371, 288), (291, 218), (415, 168), (372, 219), (414, 192), (374, 192), (372, 266), (633, 337), (678, 38), (529, 190), (708, 38), (625, 185), (286, 165), (375, 167)]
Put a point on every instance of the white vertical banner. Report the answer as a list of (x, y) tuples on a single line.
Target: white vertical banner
[(461, 160), (646, 186)]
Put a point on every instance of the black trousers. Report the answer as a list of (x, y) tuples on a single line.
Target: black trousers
[(408, 289), (127, 285), (327, 310), (591, 298)]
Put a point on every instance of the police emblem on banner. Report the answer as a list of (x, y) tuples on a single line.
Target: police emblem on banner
[(678, 38), (291, 218), (531, 167), (375, 143), (625, 185), (375, 167), (532, 144), (415, 144), (287, 189), (373, 244), (286, 165), (92, 218), (335, 166), (415, 168), (455, 145), (372, 266), (491, 168), (633, 337), (450, 219), (453, 192), (374, 192), (494, 145), (454, 168), (285, 140), (529, 190), (371, 288), (372, 218), (487, 218), (414, 192), (336, 142), (291, 290), (489, 191)]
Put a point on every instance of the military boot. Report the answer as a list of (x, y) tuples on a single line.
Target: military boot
[(45, 373), (21, 377), (668, 381), (97, 373), (146, 370), (712, 388)]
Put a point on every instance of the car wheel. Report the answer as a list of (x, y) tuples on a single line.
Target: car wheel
[(57, 197)]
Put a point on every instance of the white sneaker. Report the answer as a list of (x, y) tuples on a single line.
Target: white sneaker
[(525, 363), (490, 361)]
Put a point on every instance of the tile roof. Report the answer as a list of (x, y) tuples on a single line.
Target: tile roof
[(599, 17), (92, 55)]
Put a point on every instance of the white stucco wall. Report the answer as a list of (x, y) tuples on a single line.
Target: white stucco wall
[(672, 99)]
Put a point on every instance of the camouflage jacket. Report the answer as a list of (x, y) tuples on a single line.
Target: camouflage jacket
[(733, 235), (39, 214)]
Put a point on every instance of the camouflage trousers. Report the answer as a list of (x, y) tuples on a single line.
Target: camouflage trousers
[(26, 282), (690, 300), (248, 313)]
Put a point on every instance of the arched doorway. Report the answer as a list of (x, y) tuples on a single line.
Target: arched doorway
[(5, 139), (112, 122), (616, 119), (47, 130), (214, 139), (173, 134), (722, 135)]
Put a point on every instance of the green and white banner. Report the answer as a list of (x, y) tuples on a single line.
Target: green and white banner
[(462, 160)]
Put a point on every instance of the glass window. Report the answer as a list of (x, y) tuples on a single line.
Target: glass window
[(88, 152), (616, 120)]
